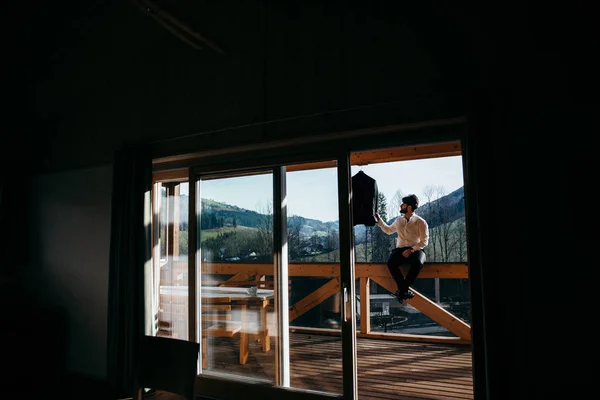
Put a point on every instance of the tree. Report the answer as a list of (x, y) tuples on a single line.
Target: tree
[(368, 235), (381, 243), (333, 245), (316, 245), (183, 243), (446, 227), (394, 207), (264, 233), (459, 233), (294, 238), (429, 193)]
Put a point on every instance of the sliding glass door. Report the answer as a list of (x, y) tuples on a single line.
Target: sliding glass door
[(313, 248), (236, 275), (274, 276), (282, 284)]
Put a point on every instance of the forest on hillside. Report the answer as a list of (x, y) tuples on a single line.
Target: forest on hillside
[(230, 233)]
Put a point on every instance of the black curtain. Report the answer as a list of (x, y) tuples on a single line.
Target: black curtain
[(130, 253)]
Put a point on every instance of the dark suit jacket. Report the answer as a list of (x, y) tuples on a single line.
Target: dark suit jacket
[(364, 199)]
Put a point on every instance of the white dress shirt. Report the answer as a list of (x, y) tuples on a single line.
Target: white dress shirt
[(412, 233)]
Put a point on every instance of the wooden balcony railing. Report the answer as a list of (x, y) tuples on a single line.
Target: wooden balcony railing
[(365, 273)]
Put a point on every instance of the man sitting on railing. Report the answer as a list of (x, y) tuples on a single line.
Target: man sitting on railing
[(413, 236)]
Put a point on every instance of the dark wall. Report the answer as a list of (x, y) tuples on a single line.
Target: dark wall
[(107, 74), (533, 120)]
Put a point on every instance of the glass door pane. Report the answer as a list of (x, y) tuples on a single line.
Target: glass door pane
[(236, 269), (170, 260), (314, 280), (412, 333)]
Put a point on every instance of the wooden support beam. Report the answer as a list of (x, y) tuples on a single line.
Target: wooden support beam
[(239, 277), (406, 153), (431, 309), (318, 296), (172, 175), (445, 271), (309, 166), (332, 270), (248, 269)]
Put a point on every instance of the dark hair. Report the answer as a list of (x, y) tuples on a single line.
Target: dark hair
[(411, 200)]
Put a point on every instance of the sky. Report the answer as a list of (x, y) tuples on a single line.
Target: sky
[(313, 193)]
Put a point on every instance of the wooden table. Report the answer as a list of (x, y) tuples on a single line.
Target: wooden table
[(241, 297)]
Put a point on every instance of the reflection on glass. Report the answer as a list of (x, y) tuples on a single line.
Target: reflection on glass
[(171, 268), (313, 252), (238, 323)]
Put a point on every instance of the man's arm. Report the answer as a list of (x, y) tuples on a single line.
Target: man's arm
[(389, 229)]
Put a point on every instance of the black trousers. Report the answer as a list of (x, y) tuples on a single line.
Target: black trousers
[(396, 259)]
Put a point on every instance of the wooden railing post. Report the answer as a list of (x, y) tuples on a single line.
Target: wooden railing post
[(365, 305)]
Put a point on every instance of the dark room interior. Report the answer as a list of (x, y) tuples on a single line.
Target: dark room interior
[(84, 79)]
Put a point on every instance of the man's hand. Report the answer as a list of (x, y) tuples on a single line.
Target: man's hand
[(407, 253)]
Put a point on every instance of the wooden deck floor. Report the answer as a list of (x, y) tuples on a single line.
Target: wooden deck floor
[(387, 369)]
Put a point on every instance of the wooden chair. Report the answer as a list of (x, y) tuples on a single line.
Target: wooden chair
[(261, 282), (167, 364), (217, 322)]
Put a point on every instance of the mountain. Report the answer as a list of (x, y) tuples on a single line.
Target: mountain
[(228, 214), (232, 214), (443, 210), (309, 227)]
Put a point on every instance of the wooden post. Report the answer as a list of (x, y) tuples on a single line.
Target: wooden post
[(244, 335), (365, 305)]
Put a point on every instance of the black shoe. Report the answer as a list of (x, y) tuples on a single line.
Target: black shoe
[(399, 295), (408, 295)]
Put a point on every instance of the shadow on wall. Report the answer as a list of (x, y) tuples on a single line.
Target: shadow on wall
[(33, 331), (34, 341)]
